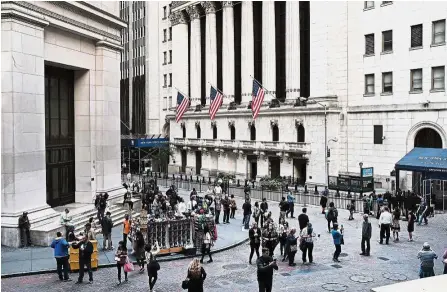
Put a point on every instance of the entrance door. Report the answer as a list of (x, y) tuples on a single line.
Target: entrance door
[(183, 169), (275, 167), (198, 162), (59, 136), (299, 171)]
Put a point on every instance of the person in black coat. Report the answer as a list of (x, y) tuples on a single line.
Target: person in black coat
[(264, 208), (196, 276), (265, 265), (255, 240), (323, 203), (247, 213), (85, 258)]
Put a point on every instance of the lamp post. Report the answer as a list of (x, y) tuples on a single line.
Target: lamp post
[(361, 179)]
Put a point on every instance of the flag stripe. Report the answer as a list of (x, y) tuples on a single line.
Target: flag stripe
[(216, 99), (258, 98), (182, 106)]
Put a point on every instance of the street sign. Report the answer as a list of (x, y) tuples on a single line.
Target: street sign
[(368, 172)]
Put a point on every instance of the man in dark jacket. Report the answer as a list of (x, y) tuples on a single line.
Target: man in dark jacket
[(60, 246), (247, 212), (366, 235), (283, 208), (107, 225), (265, 265), (85, 258), (102, 204), (24, 227), (264, 207), (303, 219), (226, 209)]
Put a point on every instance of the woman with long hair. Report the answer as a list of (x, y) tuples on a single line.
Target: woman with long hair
[(256, 213), (138, 246), (255, 240), (206, 245), (283, 232), (292, 246), (396, 224), (196, 276), (307, 235), (152, 265), (121, 258)]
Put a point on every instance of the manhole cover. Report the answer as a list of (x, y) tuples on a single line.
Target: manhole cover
[(336, 266), (361, 278), (285, 274), (395, 276), (334, 287), (234, 267), (343, 254), (383, 259), (242, 281)]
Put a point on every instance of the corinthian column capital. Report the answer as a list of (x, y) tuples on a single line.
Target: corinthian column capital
[(193, 11), (209, 6), (178, 17), (227, 4)]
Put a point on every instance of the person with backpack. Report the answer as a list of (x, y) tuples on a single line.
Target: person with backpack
[(256, 212), (427, 257), (60, 246), (207, 243), (307, 242), (332, 215), (106, 226), (152, 265)]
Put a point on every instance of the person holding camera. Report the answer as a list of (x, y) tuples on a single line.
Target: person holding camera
[(265, 264)]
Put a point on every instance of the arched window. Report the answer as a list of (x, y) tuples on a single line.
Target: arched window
[(300, 133), (214, 132), (232, 133), (184, 132), (198, 132), (428, 138), (252, 133), (275, 133)]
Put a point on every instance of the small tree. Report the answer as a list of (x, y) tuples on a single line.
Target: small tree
[(162, 158)]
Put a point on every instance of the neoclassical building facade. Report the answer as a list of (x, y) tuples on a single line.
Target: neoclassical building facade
[(375, 88)]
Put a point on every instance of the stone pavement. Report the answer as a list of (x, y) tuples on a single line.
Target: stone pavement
[(36, 259), (230, 270)]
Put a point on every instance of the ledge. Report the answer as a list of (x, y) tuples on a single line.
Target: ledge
[(386, 4), (386, 52), (437, 45), (368, 55), (416, 48), (369, 94), (416, 91), (386, 93), (437, 90), (368, 8)]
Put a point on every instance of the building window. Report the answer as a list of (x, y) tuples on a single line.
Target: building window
[(386, 2), (275, 133), (198, 132), (170, 102), (369, 84), (438, 32), (164, 12), (369, 4), (416, 36), (170, 79), (184, 132), (301, 134), (165, 80), (438, 78), (252, 133), (164, 35), (387, 37), (165, 102), (214, 132), (416, 80), (387, 82), (232, 133), (170, 9), (170, 33), (165, 57), (378, 134), (170, 56), (369, 44)]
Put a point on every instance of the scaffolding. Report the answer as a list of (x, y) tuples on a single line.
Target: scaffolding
[(435, 189)]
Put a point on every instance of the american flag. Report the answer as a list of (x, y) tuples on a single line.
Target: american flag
[(182, 106), (258, 98), (216, 98)]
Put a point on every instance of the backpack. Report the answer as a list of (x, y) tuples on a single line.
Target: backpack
[(331, 214), (102, 204)]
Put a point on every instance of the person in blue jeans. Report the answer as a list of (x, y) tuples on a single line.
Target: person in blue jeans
[(337, 236), (247, 213), (60, 246)]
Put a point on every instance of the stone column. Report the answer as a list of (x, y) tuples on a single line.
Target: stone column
[(292, 50), (228, 51), (180, 53), (210, 45), (196, 58), (263, 166), (286, 167), (247, 50), (241, 167), (23, 125), (268, 49)]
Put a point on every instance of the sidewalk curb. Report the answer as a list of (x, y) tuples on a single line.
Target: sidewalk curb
[(110, 265)]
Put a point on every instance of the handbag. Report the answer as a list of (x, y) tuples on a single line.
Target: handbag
[(185, 284), (294, 248), (128, 266)]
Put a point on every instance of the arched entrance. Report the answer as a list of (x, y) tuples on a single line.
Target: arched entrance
[(428, 138)]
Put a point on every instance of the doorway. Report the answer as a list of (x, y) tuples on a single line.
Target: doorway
[(183, 168), (275, 167), (198, 162), (253, 166), (59, 136), (299, 171)]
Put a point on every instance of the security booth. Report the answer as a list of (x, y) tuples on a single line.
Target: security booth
[(350, 183), (429, 168)]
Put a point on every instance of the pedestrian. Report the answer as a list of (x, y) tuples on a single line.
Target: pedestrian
[(303, 219), (128, 200), (102, 205), (365, 205), (283, 233), (24, 226), (385, 221), (323, 200), (270, 237), (66, 221), (217, 207), (263, 208), (88, 230), (106, 226), (292, 246), (410, 227), (337, 237), (396, 223), (265, 266), (138, 247), (85, 258), (193, 193), (366, 236), (121, 260), (290, 201), (351, 208), (422, 212), (233, 206), (226, 209), (60, 246), (331, 216), (192, 204), (444, 260), (247, 191), (152, 265), (207, 243), (126, 228), (256, 212), (427, 257), (247, 213), (93, 224), (196, 276), (283, 208), (307, 242), (255, 240)]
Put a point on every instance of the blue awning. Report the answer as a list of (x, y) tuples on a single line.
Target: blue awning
[(429, 160)]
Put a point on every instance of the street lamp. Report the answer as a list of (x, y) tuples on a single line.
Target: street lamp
[(361, 179)]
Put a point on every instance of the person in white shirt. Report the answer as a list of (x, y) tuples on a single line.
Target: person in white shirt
[(66, 221), (181, 207), (385, 221), (191, 204), (218, 190)]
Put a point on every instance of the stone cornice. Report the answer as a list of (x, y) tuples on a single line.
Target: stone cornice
[(34, 11), (115, 19), (176, 4), (178, 17), (109, 45), (10, 12), (414, 107), (209, 6), (101, 16), (193, 12)]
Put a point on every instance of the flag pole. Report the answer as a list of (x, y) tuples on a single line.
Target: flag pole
[(263, 87), (183, 93), (224, 95)]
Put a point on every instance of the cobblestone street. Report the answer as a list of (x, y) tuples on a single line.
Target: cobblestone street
[(230, 270)]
